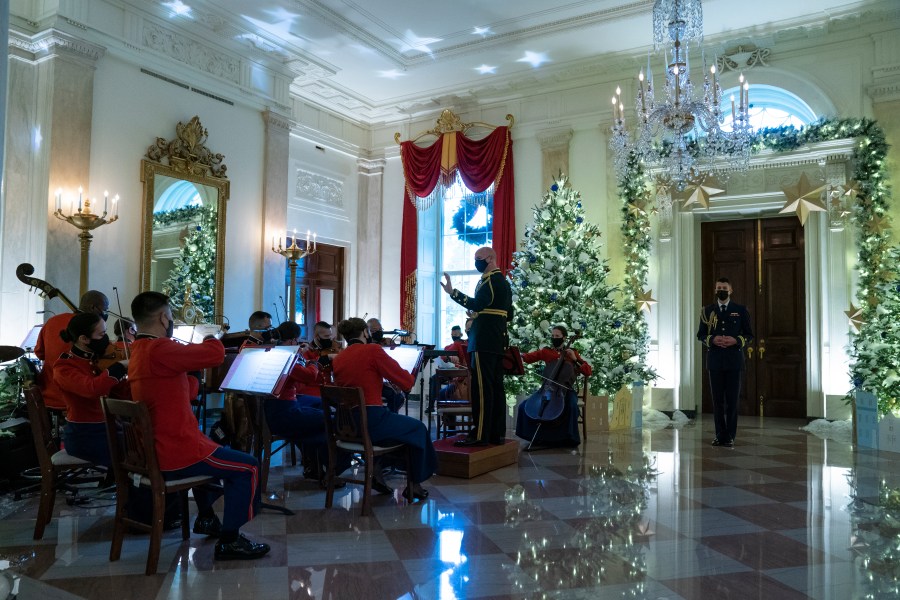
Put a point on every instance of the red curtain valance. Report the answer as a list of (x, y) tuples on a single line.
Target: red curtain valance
[(480, 163)]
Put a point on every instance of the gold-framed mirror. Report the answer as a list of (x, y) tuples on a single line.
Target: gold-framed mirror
[(183, 227)]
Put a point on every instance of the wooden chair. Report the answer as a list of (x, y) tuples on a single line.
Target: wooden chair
[(266, 440), (347, 430), (582, 407), (134, 462), (454, 416), (54, 463)]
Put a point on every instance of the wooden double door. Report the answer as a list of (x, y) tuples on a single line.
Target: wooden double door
[(764, 261), (320, 288)]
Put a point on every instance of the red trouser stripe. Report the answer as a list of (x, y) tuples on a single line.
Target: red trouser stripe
[(238, 466)]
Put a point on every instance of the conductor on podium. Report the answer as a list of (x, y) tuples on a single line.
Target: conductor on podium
[(488, 339)]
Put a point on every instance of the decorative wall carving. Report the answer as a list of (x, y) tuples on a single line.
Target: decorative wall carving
[(187, 51), (52, 41), (741, 58), (315, 187)]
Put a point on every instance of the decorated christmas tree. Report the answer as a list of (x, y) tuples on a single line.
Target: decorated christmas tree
[(876, 349), (560, 278), (196, 263)]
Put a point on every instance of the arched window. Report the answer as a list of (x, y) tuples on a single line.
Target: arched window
[(179, 195), (770, 106)]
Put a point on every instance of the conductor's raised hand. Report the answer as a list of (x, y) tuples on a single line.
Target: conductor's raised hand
[(448, 287)]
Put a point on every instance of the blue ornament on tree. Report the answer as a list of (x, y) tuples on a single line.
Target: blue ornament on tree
[(617, 324), (524, 283), (554, 297), (579, 220), (532, 258), (554, 187)]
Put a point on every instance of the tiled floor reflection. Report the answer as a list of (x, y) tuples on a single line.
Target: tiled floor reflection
[(628, 515)]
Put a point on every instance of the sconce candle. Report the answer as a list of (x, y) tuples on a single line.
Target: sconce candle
[(294, 253), (85, 220)]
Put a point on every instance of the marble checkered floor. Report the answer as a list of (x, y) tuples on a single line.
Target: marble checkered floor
[(660, 514)]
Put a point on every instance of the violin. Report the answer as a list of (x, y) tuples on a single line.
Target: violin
[(547, 404)]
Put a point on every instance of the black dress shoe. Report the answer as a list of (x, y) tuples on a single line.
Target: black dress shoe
[(381, 487), (728, 444), (210, 526), (716, 442), (419, 494), (241, 549), (469, 442)]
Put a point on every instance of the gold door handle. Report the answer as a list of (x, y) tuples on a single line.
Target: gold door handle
[(750, 352), (762, 348)]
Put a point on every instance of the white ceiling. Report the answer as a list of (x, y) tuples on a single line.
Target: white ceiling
[(368, 59)]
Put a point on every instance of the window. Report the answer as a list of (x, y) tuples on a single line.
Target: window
[(770, 107), (464, 221)]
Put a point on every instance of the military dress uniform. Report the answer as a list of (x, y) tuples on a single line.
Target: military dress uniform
[(725, 365), (488, 340)]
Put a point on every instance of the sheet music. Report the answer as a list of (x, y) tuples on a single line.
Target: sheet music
[(195, 334), (407, 356), (30, 340), (256, 370)]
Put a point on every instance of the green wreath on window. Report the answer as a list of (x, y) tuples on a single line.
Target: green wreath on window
[(477, 236)]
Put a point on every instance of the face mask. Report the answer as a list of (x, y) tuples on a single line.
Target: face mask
[(170, 328), (104, 315), (377, 336), (324, 344), (455, 338), (557, 342), (98, 347), (722, 295), (480, 265)]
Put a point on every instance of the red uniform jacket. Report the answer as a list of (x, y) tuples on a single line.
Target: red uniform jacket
[(366, 366), (462, 352), (158, 372), (549, 355), (82, 384), (48, 348), (301, 376), (311, 388)]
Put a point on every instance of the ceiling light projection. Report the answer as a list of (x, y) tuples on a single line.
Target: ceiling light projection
[(535, 59), (178, 8), (392, 74), (486, 69), (482, 31), (411, 41)]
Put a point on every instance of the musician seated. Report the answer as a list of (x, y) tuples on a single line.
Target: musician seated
[(367, 366), (562, 432), (83, 382), (393, 398), (453, 390), (260, 326), (299, 422), (50, 346), (320, 351), (125, 331)]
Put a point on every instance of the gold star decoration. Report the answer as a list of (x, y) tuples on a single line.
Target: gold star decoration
[(645, 300), (637, 208), (878, 224), (851, 188), (802, 198), (837, 206), (699, 193), (855, 316)]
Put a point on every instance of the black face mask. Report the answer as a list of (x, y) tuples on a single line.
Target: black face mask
[(170, 328), (480, 265), (557, 342), (722, 295), (377, 336), (98, 347), (455, 338), (104, 315), (325, 344)]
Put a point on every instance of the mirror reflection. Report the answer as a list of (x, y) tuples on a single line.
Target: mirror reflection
[(185, 193)]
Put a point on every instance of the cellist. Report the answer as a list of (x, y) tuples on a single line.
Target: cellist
[(563, 432)]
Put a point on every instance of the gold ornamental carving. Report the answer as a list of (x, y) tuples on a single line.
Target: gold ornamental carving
[(187, 152)]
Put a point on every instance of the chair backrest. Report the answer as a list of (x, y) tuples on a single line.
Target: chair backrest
[(44, 443), (347, 408), (131, 447), (585, 388)]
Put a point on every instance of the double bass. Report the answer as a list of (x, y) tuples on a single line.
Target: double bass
[(548, 403)]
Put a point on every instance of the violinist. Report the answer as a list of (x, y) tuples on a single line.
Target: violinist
[(260, 326), (125, 331), (376, 332), (83, 383), (297, 421), (50, 345), (320, 351), (367, 366), (562, 433), (393, 397), (158, 372)]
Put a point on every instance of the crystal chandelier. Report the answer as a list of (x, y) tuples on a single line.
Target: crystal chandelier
[(679, 132)]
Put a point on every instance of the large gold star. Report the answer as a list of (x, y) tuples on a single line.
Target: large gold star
[(851, 188), (645, 300), (855, 316), (699, 193), (878, 224), (803, 198)]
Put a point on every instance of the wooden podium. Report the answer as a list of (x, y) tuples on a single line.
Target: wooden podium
[(473, 461)]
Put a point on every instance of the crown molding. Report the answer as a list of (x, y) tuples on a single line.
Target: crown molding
[(50, 43)]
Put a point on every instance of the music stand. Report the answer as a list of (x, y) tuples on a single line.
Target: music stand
[(409, 356)]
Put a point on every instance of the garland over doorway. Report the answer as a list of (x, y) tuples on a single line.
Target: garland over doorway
[(873, 352)]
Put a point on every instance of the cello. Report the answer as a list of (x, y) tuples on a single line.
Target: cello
[(548, 403)]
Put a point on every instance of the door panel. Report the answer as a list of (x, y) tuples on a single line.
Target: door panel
[(321, 277), (764, 260)]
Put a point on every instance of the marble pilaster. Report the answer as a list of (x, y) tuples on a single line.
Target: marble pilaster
[(554, 153), (369, 235), (48, 145), (274, 205)]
